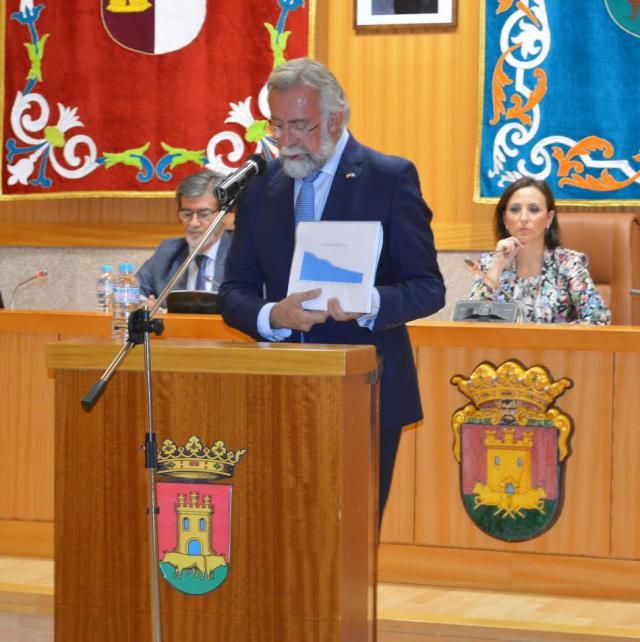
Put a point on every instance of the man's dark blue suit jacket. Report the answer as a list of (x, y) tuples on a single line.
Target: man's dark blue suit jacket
[(368, 186)]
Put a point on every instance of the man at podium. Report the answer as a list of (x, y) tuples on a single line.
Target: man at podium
[(324, 174)]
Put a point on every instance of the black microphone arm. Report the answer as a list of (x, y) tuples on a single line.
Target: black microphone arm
[(237, 181)]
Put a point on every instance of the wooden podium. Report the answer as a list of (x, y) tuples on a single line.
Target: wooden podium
[(303, 518)]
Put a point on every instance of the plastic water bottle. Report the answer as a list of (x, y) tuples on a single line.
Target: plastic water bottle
[(104, 290), (126, 298)]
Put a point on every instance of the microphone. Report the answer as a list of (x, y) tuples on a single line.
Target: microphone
[(237, 181), (40, 274), (474, 266)]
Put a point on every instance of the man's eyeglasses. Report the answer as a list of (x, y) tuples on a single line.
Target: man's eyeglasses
[(204, 215), (299, 128)]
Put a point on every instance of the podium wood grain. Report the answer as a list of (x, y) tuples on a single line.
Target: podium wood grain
[(302, 546)]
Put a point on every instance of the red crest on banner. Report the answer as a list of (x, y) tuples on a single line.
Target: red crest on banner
[(157, 28)]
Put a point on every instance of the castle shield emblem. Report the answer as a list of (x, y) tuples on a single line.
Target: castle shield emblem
[(153, 26), (194, 535), (626, 14), (512, 445), (194, 522)]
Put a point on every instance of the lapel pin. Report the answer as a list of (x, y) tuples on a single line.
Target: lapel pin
[(349, 175)]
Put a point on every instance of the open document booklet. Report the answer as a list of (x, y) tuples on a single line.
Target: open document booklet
[(341, 258)]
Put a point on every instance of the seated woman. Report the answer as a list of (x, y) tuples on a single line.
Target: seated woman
[(550, 284)]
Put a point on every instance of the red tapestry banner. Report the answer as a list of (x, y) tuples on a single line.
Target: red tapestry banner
[(121, 97)]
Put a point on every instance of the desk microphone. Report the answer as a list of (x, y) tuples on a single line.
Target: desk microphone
[(40, 274)]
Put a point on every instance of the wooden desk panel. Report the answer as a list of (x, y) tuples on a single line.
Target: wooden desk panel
[(399, 516), (593, 549), (440, 516), (625, 492), (26, 417)]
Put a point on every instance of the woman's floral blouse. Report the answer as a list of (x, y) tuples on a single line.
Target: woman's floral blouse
[(563, 293)]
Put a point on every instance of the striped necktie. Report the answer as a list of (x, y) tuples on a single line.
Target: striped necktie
[(201, 278), (305, 201)]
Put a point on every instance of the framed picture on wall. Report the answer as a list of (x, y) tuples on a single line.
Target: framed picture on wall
[(404, 13)]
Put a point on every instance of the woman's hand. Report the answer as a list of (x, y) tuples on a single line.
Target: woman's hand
[(506, 250)]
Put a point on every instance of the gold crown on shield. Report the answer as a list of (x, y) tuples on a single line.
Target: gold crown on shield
[(511, 383), (194, 461)]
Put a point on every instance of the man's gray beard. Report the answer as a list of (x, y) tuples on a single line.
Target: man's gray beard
[(310, 162), (300, 168), (192, 243)]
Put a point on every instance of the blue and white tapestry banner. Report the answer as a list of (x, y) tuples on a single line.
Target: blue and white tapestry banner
[(561, 99)]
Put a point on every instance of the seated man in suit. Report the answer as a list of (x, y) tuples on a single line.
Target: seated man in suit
[(197, 208), (340, 180)]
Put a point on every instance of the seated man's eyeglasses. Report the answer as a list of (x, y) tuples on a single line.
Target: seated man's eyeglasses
[(204, 215), (299, 128)]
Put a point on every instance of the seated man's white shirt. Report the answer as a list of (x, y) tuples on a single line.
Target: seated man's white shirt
[(192, 272)]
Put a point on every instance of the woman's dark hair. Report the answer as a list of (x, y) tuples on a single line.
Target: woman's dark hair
[(552, 235)]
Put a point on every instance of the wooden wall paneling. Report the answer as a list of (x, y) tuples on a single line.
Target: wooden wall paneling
[(26, 538), (440, 517), (86, 234), (399, 515), (625, 498), (88, 210), (506, 571), (26, 475)]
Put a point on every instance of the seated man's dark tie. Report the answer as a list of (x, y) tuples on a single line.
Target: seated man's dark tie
[(201, 278)]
